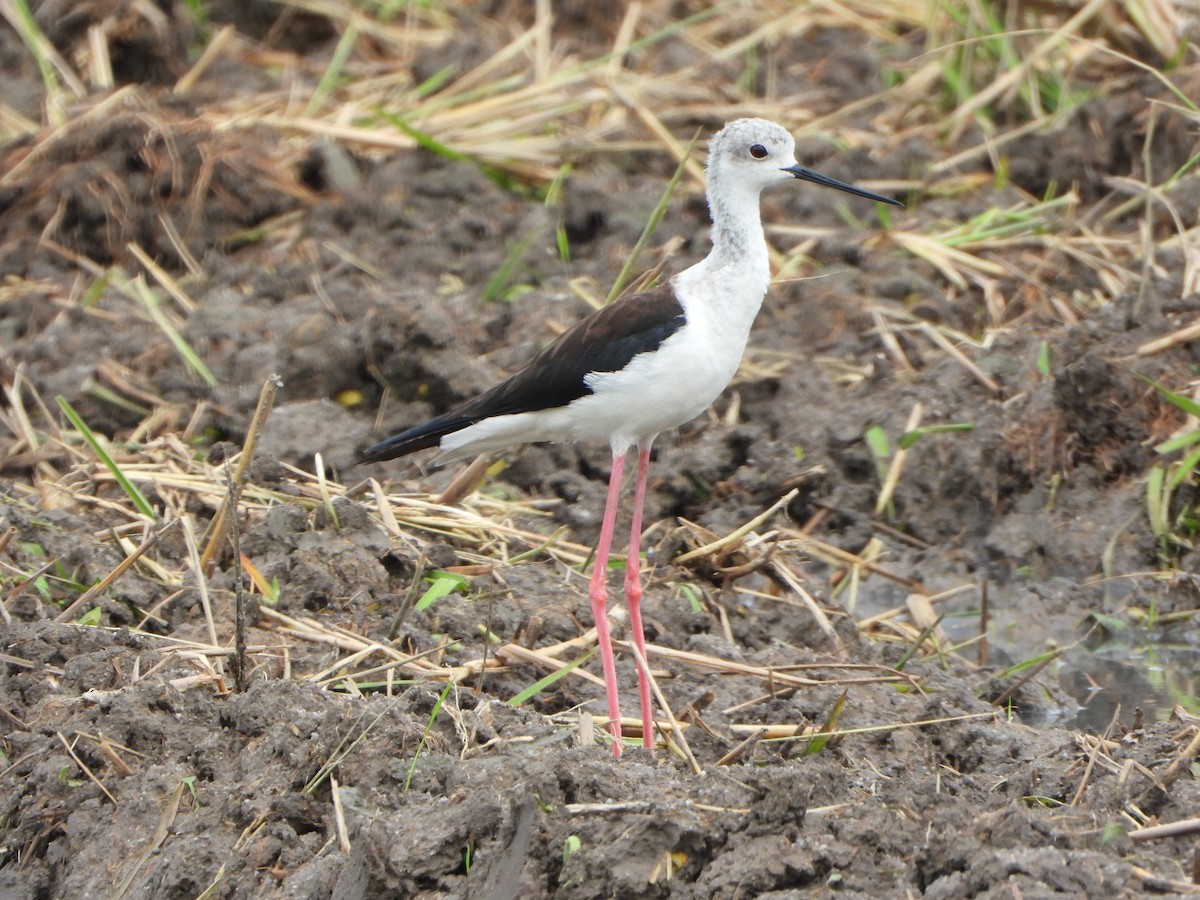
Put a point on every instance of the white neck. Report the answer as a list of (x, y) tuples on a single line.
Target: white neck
[(727, 287), (737, 233), (733, 278)]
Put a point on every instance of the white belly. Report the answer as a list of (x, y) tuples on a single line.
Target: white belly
[(657, 391)]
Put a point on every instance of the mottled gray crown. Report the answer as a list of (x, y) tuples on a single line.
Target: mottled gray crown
[(736, 139)]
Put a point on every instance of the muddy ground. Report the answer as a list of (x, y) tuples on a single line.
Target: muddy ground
[(131, 765)]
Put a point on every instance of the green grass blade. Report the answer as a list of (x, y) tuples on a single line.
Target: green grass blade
[(651, 225), (828, 729), (540, 685), (1178, 443), (333, 71), (499, 282), (150, 300), (428, 142), (442, 584), (1043, 359), (881, 450), (27, 27), (1187, 404), (437, 708), (1155, 482), (1186, 469), (1026, 664), (911, 437), (130, 489), (435, 82), (554, 201)]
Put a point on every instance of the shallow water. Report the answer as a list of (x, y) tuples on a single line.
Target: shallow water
[(1148, 674)]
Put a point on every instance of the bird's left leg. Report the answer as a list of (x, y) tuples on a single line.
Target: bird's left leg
[(633, 593)]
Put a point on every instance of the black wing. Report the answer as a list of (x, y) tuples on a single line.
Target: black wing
[(605, 341)]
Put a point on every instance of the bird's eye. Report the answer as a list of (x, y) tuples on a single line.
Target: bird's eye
[(758, 151)]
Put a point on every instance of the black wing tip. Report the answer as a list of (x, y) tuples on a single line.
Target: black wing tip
[(420, 437), (397, 445)]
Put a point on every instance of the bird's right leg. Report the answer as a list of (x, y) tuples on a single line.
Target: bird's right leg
[(598, 594)]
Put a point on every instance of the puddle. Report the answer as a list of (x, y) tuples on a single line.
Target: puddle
[(1152, 673)]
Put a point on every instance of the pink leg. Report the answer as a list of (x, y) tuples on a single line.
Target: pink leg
[(633, 594), (598, 593)]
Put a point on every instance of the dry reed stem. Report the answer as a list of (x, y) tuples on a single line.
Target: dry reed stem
[(339, 817), (1159, 885), (835, 555), (1183, 760), (219, 526), (83, 767), (1166, 830), (1183, 335), (517, 653), (714, 547), (892, 477), (147, 544)]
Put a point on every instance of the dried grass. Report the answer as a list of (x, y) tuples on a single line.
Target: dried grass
[(531, 106)]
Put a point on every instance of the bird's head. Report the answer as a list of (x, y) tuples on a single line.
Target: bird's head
[(758, 153)]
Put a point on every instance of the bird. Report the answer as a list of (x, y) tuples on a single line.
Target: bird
[(643, 364)]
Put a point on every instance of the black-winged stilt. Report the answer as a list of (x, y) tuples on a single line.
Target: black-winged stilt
[(646, 363)]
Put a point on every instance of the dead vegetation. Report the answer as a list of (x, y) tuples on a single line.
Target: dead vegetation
[(1047, 156)]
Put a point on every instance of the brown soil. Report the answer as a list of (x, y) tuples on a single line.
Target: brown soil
[(131, 766)]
